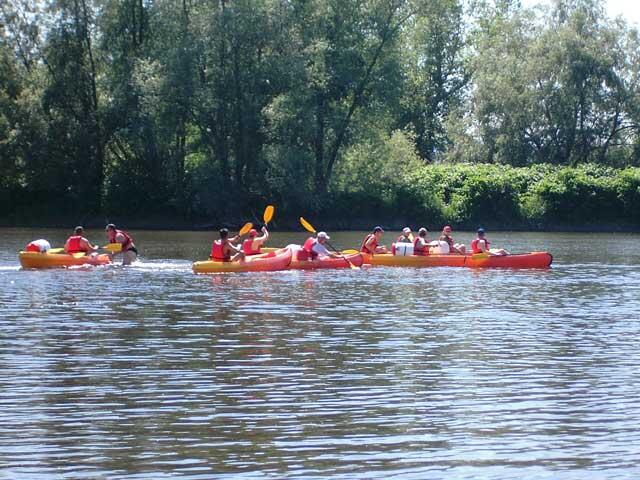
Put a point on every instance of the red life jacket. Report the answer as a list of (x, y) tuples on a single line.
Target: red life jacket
[(128, 241), (364, 248), (307, 252), (419, 249), (73, 244), (247, 247), (217, 252), (32, 247), (474, 245)]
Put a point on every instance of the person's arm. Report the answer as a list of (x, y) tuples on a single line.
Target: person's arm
[(86, 244), (321, 250), (378, 249), (234, 248), (66, 246), (482, 245), (263, 238), (368, 243)]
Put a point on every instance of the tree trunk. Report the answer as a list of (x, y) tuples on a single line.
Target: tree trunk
[(320, 184)]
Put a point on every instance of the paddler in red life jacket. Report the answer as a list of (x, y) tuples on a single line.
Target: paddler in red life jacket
[(481, 245), (129, 251), (420, 243), (371, 243), (223, 250), (453, 247), (77, 243), (315, 248), (253, 244)]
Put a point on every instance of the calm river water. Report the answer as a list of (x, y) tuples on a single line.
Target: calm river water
[(151, 372)]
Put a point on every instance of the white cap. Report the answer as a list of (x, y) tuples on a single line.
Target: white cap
[(406, 230), (324, 235)]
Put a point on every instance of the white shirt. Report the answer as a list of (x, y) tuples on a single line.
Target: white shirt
[(320, 249)]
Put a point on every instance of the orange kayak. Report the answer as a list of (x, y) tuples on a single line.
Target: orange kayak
[(523, 260), (59, 260), (355, 259), (265, 262)]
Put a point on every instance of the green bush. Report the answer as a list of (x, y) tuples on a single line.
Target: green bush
[(585, 194), (468, 195)]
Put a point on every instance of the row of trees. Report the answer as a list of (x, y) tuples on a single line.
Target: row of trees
[(206, 108)]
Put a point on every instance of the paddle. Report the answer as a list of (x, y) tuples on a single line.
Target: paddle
[(110, 247), (268, 214), (245, 228), (309, 228)]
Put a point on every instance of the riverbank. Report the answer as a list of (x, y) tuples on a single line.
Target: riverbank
[(587, 198)]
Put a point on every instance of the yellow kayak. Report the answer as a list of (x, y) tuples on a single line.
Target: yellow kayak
[(60, 260)]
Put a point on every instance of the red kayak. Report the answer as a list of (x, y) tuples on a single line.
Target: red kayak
[(481, 260), (265, 262), (327, 262)]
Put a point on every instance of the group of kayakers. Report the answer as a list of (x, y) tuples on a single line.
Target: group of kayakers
[(445, 244), (77, 243), (225, 249), (230, 249)]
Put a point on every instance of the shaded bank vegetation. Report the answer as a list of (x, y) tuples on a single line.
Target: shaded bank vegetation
[(204, 110)]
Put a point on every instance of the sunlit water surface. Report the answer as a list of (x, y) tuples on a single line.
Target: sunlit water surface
[(153, 372)]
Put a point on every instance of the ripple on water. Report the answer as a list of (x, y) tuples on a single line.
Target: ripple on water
[(150, 371)]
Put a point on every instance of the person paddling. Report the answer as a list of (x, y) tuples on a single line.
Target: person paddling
[(371, 243), (481, 245), (453, 247), (76, 243), (128, 250), (315, 247), (253, 244), (223, 249)]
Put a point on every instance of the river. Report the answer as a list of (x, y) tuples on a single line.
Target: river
[(151, 372)]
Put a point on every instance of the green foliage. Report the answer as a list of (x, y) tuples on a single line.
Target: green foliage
[(496, 114)]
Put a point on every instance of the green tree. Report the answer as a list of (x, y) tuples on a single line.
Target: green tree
[(436, 73)]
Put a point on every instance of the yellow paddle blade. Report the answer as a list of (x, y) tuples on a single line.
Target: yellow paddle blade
[(245, 228), (307, 226), (350, 251), (113, 247), (56, 250), (268, 214)]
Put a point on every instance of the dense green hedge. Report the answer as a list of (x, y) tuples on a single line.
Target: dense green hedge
[(500, 196)]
